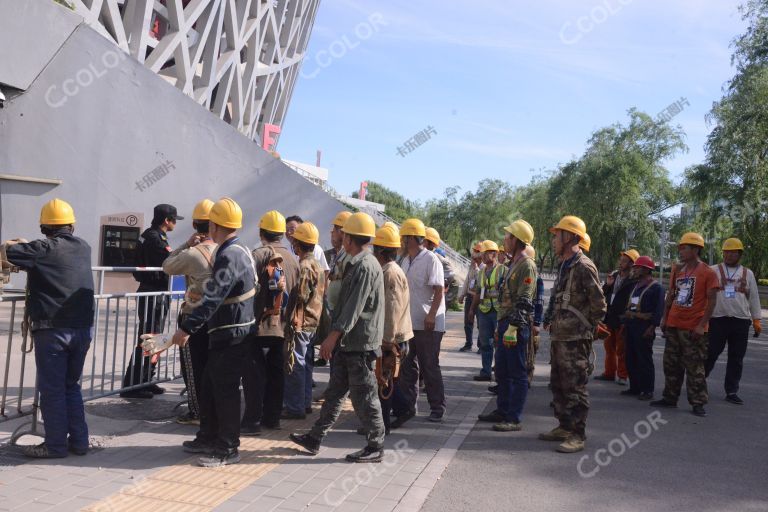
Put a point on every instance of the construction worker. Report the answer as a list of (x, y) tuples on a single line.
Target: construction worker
[(425, 284), (538, 317), (738, 302), (194, 260), (226, 311), (577, 309), (585, 243), (642, 316), (152, 310), (264, 382), (432, 243), (354, 343), (691, 300), (305, 306), (60, 309), (485, 304), (618, 285), (466, 295), (397, 316), (293, 222), (513, 332)]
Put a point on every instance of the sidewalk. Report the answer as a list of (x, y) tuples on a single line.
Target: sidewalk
[(138, 463)]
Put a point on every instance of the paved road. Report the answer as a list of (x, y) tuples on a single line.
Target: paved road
[(717, 463)]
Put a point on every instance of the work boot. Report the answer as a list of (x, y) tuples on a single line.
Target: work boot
[(144, 394), (492, 417), (367, 454), (698, 410), (218, 459), (482, 378), (307, 442), (188, 419), (465, 348), (77, 450), (435, 417), (197, 446), (571, 445), (400, 421), (155, 389), (734, 399), (507, 426), (320, 362), (629, 392), (40, 451), (308, 410), (621, 382), (604, 377), (291, 416), (250, 430), (494, 389), (556, 434), (662, 403), (645, 397)]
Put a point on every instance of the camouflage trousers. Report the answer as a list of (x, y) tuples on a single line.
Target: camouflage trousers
[(685, 358), (569, 376), (533, 348)]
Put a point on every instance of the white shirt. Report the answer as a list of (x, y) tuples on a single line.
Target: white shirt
[(745, 306), (423, 273), (318, 253)]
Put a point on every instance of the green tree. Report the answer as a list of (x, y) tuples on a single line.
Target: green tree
[(397, 206)]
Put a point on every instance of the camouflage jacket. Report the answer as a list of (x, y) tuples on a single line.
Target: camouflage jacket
[(518, 290), (579, 303)]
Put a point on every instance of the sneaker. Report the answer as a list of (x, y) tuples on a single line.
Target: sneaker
[(144, 394), (435, 417), (292, 416), (197, 446), (571, 445), (250, 430), (465, 348), (367, 454), (188, 419), (605, 378), (734, 399), (218, 459), (698, 410), (507, 426), (74, 450), (556, 434), (662, 403), (621, 382), (40, 451), (400, 421), (155, 389), (494, 389), (492, 417), (482, 378), (629, 392), (645, 396), (307, 442)]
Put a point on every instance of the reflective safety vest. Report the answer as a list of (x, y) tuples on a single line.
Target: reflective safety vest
[(489, 289)]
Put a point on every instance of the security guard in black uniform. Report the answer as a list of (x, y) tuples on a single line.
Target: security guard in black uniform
[(152, 311)]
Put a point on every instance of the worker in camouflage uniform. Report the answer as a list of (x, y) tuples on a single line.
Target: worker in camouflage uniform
[(578, 308)]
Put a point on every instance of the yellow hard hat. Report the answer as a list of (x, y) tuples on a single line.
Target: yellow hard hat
[(227, 213), (273, 221), (571, 224), (57, 212), (341, 217), (307, 232), (202, 210), (490, 245), (631, 254), (413, 227), (432, 235), (387, 236), (585, 243), (360, 224), (733, 244), (391, 224), (521, 230), (691, 238)]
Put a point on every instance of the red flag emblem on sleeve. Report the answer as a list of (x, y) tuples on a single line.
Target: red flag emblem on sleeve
[(528, 280)]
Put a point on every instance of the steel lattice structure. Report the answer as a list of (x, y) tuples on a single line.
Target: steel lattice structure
[(237, 58)]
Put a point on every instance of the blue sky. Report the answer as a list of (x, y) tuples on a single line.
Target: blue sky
[(510, 86)]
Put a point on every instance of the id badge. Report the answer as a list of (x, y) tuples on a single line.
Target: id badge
[(634, 302), (730, 291), (482, 293)]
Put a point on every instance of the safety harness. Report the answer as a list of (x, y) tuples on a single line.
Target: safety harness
[(240, 298), (742, 288)]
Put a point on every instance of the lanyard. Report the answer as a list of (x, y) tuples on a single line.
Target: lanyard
[(729, 276), (686, 275)]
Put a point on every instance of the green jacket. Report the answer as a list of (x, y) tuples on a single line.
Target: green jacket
[(359, 314)]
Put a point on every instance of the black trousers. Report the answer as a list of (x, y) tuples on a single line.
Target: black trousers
[(264, 381), (220, 398), (197, 351), (735, 333), (639, 357), (152, 313)]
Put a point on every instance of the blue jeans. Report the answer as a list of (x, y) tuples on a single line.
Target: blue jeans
[(298, 383), (512, 373), (59, 358), (486, 323)]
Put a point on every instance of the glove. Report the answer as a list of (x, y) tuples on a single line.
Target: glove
[(758, 328)]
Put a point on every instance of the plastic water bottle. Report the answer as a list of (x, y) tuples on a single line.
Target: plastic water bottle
[(510, 336)]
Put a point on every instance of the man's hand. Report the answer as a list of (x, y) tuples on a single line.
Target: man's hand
[(194, 240), (328, 344), (15, 241), (663, 327), (610, 279), (546, 327), (536, 330), (429, 322), (650, 332), (756, 325), (180, 338), (281, 283), (698, 332)]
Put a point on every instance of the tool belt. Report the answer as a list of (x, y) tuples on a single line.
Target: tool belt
[(387, 370)]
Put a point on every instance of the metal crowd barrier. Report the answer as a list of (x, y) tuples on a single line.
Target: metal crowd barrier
[(115, 335)]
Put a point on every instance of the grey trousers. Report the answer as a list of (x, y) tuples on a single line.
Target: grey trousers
[(352, 372), (424, 355)]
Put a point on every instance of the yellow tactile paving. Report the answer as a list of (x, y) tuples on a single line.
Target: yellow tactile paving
[(186, 487)]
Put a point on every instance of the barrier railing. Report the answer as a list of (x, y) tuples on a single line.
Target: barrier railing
[(113, 364)]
